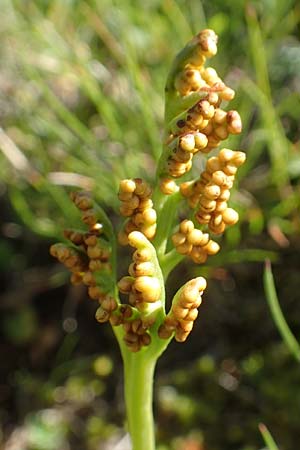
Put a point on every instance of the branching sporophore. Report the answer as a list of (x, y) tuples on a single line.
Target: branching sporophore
[(178, 215)]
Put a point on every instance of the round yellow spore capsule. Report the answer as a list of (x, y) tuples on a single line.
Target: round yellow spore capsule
[(142, 255), (239, 158), (168, 186), (221, 132), (213, 164), (230, 169), (212, 191), (186, 226), (127, 186), (220, 178), (181, 335), (149, 216), (211, 247), (164, 332), (210, 75), (178, 238), (230, 216), (143, 269), (149, 287), (207, 205), (94, 252), (149, 230), (184, 249), (137, 239), (125, 285), (102, 315), (192, 315), (208, 42), (220, 116), (200, 140), (186, 325), (194, 237), (187, 142)]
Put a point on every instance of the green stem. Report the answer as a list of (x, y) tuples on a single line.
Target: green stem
[(169, 261), (138, 373), (166, 210)]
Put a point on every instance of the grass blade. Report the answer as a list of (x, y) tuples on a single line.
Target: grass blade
[(277, 142), (268, 438), (277, 314)]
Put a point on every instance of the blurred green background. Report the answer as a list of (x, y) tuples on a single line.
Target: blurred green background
[(81, 106)]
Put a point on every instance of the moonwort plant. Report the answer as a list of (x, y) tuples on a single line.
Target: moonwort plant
[(135, 306)]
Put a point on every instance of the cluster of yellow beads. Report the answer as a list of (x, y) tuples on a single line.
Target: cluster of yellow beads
[(220, 126), (202, 130), (141, 285), (136, 335), (84, 203), (205, 124), (136, 204), (193, 242), (89, 258), (72, 259), (212, 191), (184, 311), (195, 77), (184, 147), (191, 78), (121, 315), (142, 288)]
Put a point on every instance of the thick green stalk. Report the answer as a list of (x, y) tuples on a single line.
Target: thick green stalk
[(138, 375)]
